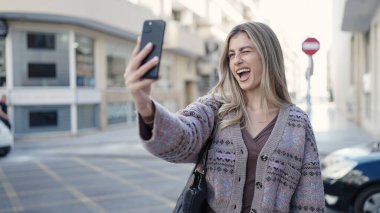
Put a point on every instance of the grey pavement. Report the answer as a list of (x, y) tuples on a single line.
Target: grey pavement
[(332, 131), (119, 141)]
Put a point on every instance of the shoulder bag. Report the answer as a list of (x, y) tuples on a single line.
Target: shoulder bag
[(193, 198)]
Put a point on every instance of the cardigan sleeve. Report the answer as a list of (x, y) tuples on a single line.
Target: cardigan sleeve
[(309, 194), (178, 137)]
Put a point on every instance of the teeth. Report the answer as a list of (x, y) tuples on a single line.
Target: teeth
[(242, 70)]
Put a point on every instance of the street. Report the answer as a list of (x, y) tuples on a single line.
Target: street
[(110, 172), (43, 183), (97, 172)]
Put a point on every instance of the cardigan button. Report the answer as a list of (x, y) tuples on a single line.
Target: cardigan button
[(264, 157), (259, 185)]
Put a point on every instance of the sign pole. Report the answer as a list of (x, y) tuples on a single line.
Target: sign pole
[(309, 73), (309, 46)]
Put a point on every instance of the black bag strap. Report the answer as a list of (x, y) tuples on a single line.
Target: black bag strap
[(203, 155)]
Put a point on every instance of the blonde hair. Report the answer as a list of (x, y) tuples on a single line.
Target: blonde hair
[(273, 81)]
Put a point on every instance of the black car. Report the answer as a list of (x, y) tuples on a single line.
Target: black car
[(351, 179)]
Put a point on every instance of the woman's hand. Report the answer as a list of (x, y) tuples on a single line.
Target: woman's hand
[(138, 86)]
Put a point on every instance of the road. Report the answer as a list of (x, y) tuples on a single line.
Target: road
[(74, 183)]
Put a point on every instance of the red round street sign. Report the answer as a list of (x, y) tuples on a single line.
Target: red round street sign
[(310, 46)]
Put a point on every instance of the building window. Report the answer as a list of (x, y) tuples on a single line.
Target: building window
[(117, 112), (121, 112), (367, 39), (165, 71), (41, 41), (115, 71), (117, 57), (43, 119), (39, 70), (176, 14), (41, 59), (85, 61), (88, 116), (2, 63)]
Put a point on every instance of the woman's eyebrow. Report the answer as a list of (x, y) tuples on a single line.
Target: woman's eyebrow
[(246, 47), (242, 48)]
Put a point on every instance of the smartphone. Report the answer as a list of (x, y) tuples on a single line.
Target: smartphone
[(153, 31)]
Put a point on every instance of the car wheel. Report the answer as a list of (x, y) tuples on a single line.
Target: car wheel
[(368, 200), (4, 151)]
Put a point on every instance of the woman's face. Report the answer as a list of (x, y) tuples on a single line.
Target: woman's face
[(245, 62)]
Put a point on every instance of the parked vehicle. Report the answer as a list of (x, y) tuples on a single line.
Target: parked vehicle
[(6, 140), (351, 178)]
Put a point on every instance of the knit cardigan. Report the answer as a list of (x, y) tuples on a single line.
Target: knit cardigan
[(288, 175)]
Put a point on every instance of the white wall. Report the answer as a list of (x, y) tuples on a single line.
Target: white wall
[(340, 58)]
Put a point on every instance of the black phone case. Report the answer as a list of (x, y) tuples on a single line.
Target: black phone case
[(153, 31)]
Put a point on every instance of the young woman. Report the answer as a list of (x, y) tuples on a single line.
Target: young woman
[(263, 156)]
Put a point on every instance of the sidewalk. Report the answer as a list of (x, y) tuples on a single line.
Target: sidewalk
[(332, 132), (115, 141)]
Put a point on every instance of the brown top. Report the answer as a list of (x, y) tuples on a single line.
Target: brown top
[(254, 146)]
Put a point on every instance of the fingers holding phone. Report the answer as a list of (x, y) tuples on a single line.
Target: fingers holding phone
[(136, 69), (143, 67), (147, 53), (148, 49), (140, 87), (153, 33)]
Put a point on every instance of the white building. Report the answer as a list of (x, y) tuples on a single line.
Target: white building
[(354, 65), (62, 62)]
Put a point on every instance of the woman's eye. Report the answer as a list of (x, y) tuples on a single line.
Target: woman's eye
[(246, 52), (231, 55)]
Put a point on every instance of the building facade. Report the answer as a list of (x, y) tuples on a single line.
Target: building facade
[(354, 56), (62, 62)]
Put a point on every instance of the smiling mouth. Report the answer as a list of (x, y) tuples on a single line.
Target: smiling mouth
[(243, 74)]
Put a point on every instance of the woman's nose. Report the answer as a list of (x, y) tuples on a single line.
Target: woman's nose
[(238, 58)]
